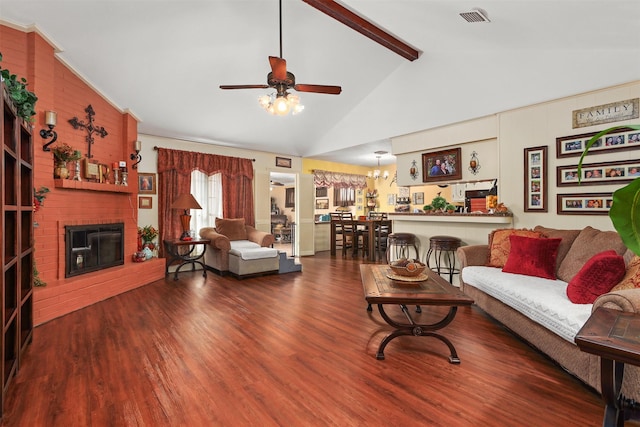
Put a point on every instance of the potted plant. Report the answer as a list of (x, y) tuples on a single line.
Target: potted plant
[(24, 99), (439, 203), (427, 208), (625, 210), (450, 208), (148, 233), (62, 154)]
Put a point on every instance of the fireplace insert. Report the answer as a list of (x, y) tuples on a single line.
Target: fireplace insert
[(93, 247)]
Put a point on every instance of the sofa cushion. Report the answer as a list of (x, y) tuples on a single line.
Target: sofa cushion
[(499, 244), (567, 236), (589, 242), (596, 277), (232, 228), (631, 278), (248, 250), (532, 256)]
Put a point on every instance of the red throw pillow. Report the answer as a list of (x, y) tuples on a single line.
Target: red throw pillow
[(601, 273), (500, 245), (532, 256)]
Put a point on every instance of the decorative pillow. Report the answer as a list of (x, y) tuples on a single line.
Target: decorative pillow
[(589, 242), (632, 278), (232, 228), (567, 236), (597, 277), (500, 244), (532, 256)]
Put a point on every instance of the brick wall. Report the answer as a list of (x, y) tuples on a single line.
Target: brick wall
[(60, 89)]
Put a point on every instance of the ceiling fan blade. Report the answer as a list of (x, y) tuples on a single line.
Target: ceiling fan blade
[(364, 27), (278, 67), (244, 86), (331, 90)]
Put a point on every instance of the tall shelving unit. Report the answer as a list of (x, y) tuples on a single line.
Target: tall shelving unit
[(16, 193)]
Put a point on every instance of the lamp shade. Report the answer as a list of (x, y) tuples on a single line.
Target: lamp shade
[(186, 201)]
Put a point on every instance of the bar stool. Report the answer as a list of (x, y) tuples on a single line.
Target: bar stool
[(401, 243), (446, 246)]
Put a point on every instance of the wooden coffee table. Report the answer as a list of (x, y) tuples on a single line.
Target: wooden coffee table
[(380, 289)]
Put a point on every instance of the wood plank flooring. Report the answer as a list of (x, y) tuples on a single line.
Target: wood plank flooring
[(296, 349)]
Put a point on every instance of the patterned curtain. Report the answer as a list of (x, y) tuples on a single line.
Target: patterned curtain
[(174, 178), (338, 179)]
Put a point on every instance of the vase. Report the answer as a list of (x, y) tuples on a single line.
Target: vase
[(60, 170), (148, 244)]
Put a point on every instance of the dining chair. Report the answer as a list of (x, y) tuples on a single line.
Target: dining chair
[(352, 237)]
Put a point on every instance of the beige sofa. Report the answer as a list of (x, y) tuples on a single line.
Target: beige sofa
[(576, 247), (240, 249)]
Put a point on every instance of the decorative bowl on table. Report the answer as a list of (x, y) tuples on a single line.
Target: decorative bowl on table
[(407, 267)]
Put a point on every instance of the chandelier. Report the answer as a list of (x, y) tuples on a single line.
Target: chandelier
[(376, 172), (281, 104)]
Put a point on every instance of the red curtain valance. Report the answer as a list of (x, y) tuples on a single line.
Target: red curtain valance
[(183, 162)]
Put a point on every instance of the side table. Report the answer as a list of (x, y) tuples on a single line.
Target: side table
[(614, 336), (183, 251)]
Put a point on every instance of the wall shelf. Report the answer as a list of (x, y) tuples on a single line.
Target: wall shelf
[(93, 186), (16, 246)]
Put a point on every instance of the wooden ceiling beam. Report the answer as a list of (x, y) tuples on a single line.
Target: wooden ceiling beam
[(364, 27)]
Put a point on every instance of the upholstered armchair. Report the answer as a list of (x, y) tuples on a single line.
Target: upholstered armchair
[(233, 239)]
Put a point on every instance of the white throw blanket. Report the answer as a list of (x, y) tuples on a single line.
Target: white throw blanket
[(247, 250), (542, 300)]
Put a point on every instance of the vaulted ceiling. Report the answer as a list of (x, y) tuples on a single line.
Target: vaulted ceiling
[(165, 60)]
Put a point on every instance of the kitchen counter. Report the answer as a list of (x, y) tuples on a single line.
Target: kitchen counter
[(472, 228), (496, 218)]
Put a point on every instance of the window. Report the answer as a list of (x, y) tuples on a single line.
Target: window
[(290, 198), (208, 192), (345, 196)]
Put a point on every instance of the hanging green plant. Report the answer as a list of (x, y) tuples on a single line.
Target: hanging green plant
[(24, 99)]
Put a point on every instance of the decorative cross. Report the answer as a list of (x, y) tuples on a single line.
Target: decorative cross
[(89, 127)]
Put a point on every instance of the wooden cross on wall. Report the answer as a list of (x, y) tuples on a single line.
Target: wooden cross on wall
[(89, 127)]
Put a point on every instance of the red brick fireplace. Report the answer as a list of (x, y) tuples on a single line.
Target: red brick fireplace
[(60, 89)]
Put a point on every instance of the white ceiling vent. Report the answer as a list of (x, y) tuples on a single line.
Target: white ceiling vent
[(475, 15)]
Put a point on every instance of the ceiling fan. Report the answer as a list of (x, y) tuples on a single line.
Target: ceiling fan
[(282, 80)]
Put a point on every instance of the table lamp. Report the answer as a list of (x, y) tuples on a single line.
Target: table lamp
[(186, 202)]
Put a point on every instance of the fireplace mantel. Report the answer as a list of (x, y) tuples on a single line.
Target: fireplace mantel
[(93, 186)]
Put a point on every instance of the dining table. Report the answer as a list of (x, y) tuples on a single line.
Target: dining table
[(364, 224)]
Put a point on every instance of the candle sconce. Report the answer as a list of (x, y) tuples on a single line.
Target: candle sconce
[(50, 119), (137, 157), (474, 163)]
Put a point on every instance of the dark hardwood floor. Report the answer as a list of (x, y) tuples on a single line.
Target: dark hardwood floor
[(296, 349)]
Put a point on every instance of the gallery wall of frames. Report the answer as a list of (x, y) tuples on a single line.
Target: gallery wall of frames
[(582, 200)]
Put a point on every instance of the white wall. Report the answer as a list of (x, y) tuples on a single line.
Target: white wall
[(527, 127)]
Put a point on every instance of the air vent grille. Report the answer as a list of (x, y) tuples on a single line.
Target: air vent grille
[(475, 15)]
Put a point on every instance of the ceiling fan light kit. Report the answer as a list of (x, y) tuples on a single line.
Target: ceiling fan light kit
[(281, 105), (282, 102)]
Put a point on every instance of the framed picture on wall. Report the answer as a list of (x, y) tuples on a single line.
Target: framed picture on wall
[(145, 202), (535, 179), (322, 203), (584, 203), (146, 183), (441, 165), (573, 146), (418, 198), (283, 162), (621, 172)]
